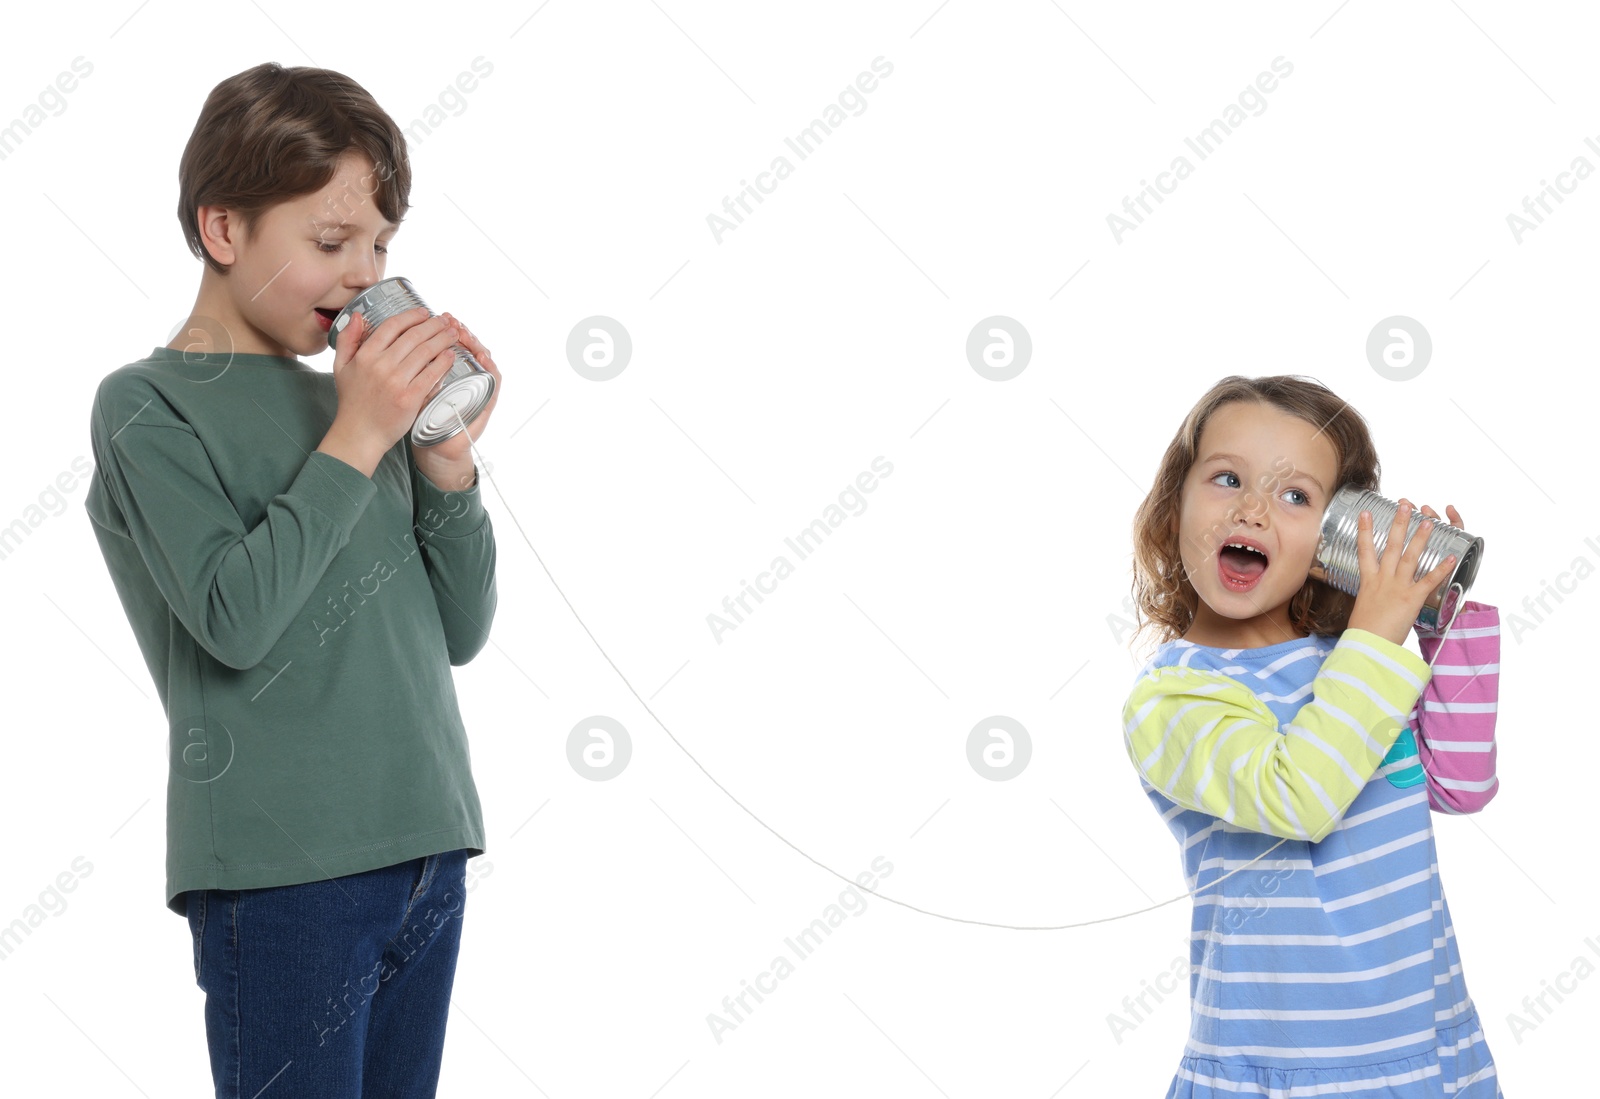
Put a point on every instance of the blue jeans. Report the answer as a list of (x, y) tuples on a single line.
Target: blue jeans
[(333, 989)]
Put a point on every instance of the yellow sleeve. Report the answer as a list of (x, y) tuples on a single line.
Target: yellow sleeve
[(1208, 743)]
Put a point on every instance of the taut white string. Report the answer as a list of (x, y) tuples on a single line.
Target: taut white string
[(472, 443)]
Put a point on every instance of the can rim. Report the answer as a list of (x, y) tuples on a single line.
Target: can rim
[(335, 327)]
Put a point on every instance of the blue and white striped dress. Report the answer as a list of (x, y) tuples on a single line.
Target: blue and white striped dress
[(1328, 967)]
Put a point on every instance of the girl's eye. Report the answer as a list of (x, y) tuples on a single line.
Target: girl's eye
[(1306, 500)]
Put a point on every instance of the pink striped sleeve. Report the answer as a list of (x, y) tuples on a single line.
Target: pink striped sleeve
[(1455, 716)]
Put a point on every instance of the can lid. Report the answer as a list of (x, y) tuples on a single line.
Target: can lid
[(465, 396)]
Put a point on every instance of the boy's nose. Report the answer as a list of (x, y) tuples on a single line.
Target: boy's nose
[(362, 275)]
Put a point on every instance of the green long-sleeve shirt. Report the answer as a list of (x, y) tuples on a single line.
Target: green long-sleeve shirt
[(299, 620)]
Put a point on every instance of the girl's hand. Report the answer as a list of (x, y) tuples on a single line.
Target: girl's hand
[(1455, 521), (1455, 516), (1388, 599), (452, 459)]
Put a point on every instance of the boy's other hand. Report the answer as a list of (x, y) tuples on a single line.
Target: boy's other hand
[(450, 462)]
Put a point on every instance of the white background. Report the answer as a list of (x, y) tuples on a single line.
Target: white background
[(986, 575)]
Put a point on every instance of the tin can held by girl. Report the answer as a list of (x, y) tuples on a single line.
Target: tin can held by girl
[(1338, 564), (466, 386)]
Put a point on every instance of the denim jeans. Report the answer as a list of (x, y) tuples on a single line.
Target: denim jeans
[(332, 989)]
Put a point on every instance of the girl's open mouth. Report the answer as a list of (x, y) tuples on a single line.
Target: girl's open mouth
[(1240, 569), (325, 317)]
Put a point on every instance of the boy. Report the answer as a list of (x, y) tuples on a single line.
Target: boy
[(300, 581)]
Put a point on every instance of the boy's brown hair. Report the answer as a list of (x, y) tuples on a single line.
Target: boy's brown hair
[(270, 134), (1162, 595)]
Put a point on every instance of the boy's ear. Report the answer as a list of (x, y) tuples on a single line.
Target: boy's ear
[(220, 231)]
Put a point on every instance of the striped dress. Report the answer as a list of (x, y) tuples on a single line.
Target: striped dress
[(1329, 967)]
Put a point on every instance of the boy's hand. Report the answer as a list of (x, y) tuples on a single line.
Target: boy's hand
[(449, 464), (384, 375)]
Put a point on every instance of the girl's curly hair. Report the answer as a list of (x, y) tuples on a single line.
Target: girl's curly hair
[(1163, 598)]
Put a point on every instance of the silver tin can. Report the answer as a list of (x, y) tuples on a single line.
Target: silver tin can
[(1338, 564), (466, 386)]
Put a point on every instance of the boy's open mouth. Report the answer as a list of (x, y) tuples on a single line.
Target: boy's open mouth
[(325, 317), (1240, 568)]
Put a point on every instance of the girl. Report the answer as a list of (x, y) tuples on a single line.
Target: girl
[(1282, 718)]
